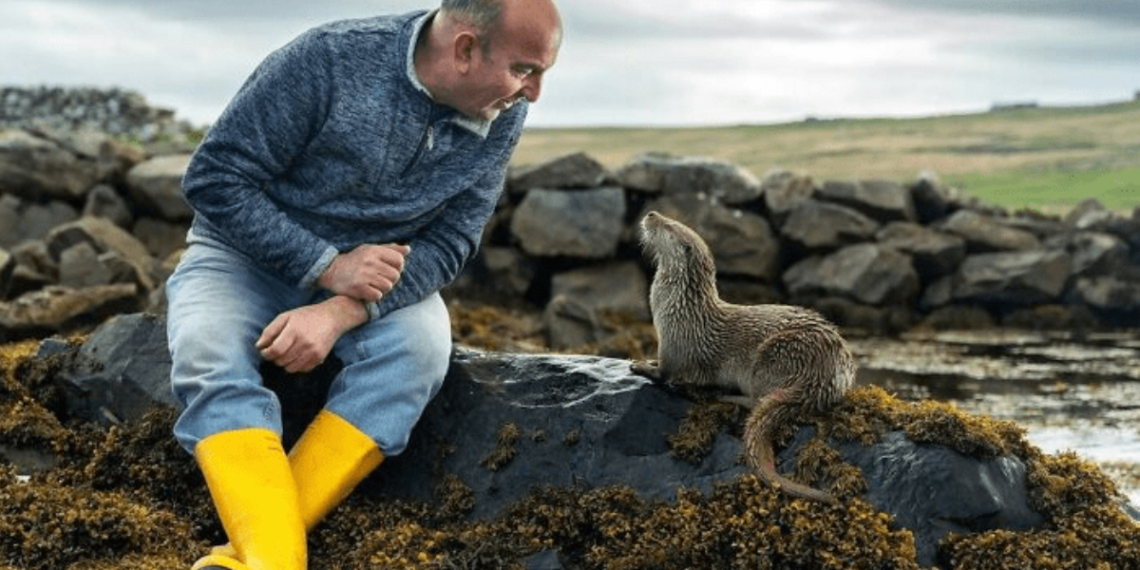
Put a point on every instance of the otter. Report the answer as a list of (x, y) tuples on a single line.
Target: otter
[(783, 359)]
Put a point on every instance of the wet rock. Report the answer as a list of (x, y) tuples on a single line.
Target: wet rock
[(585, 224), (742, 243), (959, 317), (36, 168), (723, 181), (121, 371), (1012, 278), (57, 309), (881, 200), (868, 273), (575, 170), (1089, 212), (815, 225), (934, 491), (934, 253), (783, 190), (157, 184), (985, 234), (576, 421)]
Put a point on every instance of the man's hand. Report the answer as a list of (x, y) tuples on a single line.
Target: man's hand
[(299, 340), (366, 273)]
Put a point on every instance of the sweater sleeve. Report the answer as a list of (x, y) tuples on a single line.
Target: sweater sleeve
[(264, 130), (441, 249)]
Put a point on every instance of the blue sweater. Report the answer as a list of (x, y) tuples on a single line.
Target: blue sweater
[(332, 143)]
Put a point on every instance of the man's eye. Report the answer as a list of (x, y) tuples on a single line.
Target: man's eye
[(522, 72)]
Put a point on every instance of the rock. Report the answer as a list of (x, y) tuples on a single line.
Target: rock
[(570, 322), (931, 202), (742, 243), (36, 168), (508, 270), (934, 491), (104, 202), (122, 371), (104, 237), (867, 273), (783, 190), (1092, 253), (1012, 278), (1088, 212), (720, 180), (574, 170), (7, 268), (934, 253), (880, 200), (80, 266), (585, 224), (816, 226), (57, 309), (157, 184), (959, 317), (984, 234), (22, 220), (504, 424), (1108, 293), (160, 237), (614, 287)]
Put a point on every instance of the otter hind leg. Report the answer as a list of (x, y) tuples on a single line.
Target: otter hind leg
[(771, 411)]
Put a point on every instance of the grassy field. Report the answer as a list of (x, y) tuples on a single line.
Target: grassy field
[(1046, 158)]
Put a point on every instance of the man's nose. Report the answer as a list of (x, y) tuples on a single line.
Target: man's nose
[(533, 87)]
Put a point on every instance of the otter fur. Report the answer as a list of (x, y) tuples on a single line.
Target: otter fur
[(783, 359)]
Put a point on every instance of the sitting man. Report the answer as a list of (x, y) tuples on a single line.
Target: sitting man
[(347, 182)]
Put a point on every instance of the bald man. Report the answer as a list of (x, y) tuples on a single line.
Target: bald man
[(347, 182)]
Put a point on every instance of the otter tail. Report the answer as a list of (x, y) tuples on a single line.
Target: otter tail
[(772, 411)]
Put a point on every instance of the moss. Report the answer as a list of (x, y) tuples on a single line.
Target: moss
[(696, 433), (129, 497), (506, 447)]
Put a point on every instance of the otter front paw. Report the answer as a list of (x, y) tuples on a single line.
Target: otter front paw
[(649, 368)]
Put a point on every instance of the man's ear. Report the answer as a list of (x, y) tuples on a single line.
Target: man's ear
[(465, 45)]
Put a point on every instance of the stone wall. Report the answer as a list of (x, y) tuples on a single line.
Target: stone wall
[(91, 224)]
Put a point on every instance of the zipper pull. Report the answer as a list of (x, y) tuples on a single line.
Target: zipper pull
[(430, 137)]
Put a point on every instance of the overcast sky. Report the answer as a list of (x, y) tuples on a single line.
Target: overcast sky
[(634, 62)]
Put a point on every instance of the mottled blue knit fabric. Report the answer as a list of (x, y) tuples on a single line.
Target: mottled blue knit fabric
[(332, 143)]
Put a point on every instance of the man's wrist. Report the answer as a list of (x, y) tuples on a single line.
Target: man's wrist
[(350, 312)]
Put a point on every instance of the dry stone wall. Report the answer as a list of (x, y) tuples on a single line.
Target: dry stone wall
[(92, 221)]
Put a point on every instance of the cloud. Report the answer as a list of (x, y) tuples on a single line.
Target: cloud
[(636, 62)]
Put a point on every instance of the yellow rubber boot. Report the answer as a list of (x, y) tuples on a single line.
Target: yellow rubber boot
[(329, 460), (256, 498)]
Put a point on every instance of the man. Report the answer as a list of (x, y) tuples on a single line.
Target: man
[(348, 180)]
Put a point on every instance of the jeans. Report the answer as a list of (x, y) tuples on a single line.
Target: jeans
[(220, 300)]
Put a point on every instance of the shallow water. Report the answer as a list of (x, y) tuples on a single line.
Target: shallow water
[(1070, 391)]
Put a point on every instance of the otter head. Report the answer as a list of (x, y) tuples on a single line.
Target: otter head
[(674, 246)]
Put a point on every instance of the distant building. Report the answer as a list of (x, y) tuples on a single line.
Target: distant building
[(1013, 106)]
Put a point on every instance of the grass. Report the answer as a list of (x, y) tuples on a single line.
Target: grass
[(1047, 158)]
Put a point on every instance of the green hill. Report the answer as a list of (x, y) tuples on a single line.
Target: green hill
[(1045, 158)]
